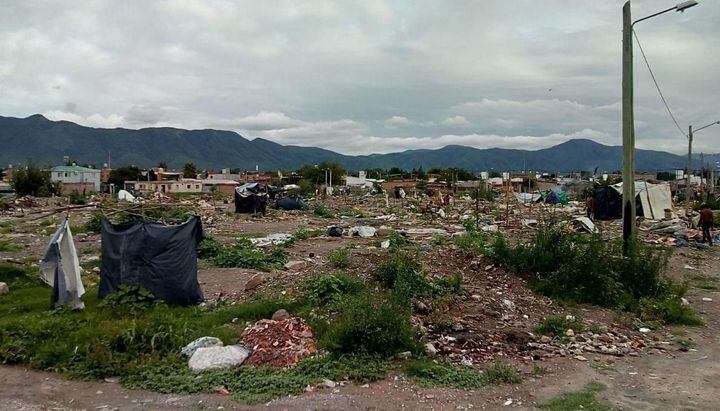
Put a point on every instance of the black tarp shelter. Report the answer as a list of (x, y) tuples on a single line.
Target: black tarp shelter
[(253, 197), (607, 203), (291, 203), (160, 258)]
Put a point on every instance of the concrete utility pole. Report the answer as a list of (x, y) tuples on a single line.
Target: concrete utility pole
[(690, 140), (628, 130), (628, 175)]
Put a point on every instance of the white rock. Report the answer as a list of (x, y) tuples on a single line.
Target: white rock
[(385, 244), (476, 297), (580, 358), (707, 299), (570, 332), (202, 342), (684, 301), (4, 289), (644, 330), (329, 383), (430, 349), (508, 304), (405, 355), (213, 358)]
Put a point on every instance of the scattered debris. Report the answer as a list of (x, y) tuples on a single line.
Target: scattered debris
[(202, 342), (363, 231)]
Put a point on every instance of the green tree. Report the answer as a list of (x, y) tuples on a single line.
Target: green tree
[(32, 181), (190, 170), (316, 174), (119, 176)]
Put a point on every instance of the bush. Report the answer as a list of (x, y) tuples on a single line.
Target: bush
[(244, 255), (557, 325), (370, 326), (668, 310), (578, 268), (474, 240), (402, 275), (397, 240), (94, 224), (329, 289), (303, 234), (131, 298), (322, 211), (339, 258)]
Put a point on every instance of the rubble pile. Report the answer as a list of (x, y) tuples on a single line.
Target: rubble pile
[(278, 343)]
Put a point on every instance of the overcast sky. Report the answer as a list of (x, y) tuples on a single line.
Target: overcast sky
[(364, 76)]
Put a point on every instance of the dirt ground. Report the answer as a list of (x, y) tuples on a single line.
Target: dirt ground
[(669, 377)]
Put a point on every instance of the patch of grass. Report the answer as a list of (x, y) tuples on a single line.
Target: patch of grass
[(321, 211), (370, 325), (686, 343), (475, 240), (558, 325), (339, 258), (668, 310), (584, 399), (6, 227), (9, 246), (429, 373), (704, 282), (330, 289), (241, 254), (305, 233), (397, 240), (254, 385)]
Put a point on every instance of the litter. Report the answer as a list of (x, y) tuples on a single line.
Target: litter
[(585, 223), (272, 239), (60, 269), (363, 231)]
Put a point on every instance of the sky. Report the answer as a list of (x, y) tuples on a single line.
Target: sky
[(366, 76)]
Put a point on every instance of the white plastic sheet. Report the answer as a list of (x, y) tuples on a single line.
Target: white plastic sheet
[(60, 269)]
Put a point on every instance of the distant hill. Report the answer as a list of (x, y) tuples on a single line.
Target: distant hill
[(45, 142)]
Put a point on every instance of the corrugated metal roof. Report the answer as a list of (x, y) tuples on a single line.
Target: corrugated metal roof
[(69, 169)]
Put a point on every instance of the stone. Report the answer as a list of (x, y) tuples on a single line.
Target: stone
[(4, 289), (421, 307), (214, 358), (385, 244), (280, 314), (292, 264), (405, 355), (329, 383), (545, 339), (580, 358), (476, 297), (707, 299), (570, 332), (644, 330), (254, 282), (508, 304), (202, 342), (430, 349)]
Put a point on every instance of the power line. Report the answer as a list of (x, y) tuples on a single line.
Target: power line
[(657, 86)]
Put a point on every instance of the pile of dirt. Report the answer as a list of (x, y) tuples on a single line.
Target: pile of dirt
[(279, 343)]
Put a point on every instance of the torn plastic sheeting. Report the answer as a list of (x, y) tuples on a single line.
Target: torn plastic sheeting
[(585, 223), (272, 239), (529, 223), (363, 231), (60, 268)]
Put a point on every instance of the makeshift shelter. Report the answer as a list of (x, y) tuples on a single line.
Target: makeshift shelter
[(528, 197), (160, 258), (555, 197), (651, 199), (60, 269), (253, 197), (607, 203), (291, 203)]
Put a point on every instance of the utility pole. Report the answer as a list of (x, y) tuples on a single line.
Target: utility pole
[(689, 170), (628, 131)]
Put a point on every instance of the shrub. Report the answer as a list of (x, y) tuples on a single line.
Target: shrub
[(209, 248), (328, 289), (339, 258), (6, 245), (130, 297), (322, 211), (94, 224), (373, 326), (557, 325), (303, 234), (244, 255), (474, 240), (398, 264), (397, 240), (668, 310)]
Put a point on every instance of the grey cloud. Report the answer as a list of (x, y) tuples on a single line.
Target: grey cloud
[(361, 76)]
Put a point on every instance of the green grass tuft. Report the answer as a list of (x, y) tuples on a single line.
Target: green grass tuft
[(581, 400)]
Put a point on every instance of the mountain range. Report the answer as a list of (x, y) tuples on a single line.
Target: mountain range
[(46, 142)]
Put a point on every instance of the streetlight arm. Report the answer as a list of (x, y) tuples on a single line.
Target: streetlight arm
[(703, 127), (653, 15)]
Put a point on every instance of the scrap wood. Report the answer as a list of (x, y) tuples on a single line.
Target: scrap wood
[(61, 210)]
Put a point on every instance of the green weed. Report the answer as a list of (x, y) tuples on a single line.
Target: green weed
[(581, 400), (9, 246), (322, 211), (556, 326), (330, 289), (429, 373), (339, 258)]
